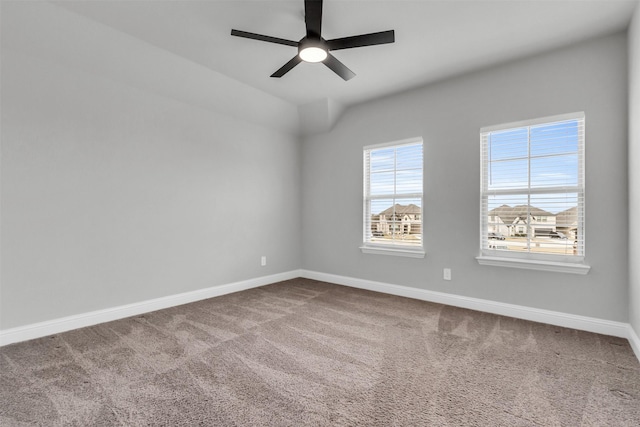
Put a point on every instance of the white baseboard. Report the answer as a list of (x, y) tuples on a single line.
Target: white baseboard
[(590, 324), (634, 341), (56, 326)]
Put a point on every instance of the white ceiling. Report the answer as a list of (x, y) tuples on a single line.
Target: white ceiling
[(435, 39)]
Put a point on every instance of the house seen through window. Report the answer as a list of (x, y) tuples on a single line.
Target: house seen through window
[(393, 180), (532, 187)]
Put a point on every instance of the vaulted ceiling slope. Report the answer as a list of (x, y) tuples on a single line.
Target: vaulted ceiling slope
[(183, 49)]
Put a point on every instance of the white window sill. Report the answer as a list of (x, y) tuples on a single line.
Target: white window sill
[(528, 264), (406, 252)]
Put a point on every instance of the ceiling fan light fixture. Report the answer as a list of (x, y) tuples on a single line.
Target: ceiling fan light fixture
[(313, 54)]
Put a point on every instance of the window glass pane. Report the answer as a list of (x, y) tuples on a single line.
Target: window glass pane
[(555, 138), (382, 160), (409, 214), (379, 220), (549, 224), (508, 174), (409, 181), (409, 157), (508, 144), (397, 221), (554, 171), (507, 219), (382, 183)]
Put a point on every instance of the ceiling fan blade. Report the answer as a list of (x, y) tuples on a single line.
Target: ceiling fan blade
[(313, 17), (287, 67), (339, 68), (260, 37), (383, 37)]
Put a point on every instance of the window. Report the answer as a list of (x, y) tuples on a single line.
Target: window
[(393, 198), (532, 194)]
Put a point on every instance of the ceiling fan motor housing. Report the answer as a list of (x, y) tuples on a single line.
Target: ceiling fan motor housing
[(312, 49)]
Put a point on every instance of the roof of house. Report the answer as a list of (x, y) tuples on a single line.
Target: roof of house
[(508, 214), (567, 217), (399, 209)]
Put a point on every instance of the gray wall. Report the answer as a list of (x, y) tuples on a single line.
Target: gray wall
[(112, 195), (634, 171), (589, 77)]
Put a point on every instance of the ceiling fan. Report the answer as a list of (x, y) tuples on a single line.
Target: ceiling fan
[(313, 48)]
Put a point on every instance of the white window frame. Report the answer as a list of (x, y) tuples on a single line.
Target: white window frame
[(395, 248), (528, 260)]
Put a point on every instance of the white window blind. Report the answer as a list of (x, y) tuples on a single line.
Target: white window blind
[(393, 180), (532, 188)]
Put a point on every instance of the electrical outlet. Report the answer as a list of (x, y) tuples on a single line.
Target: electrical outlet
[(447, 274), (263, 260)]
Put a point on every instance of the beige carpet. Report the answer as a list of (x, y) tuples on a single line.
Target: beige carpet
[(303, 352)]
